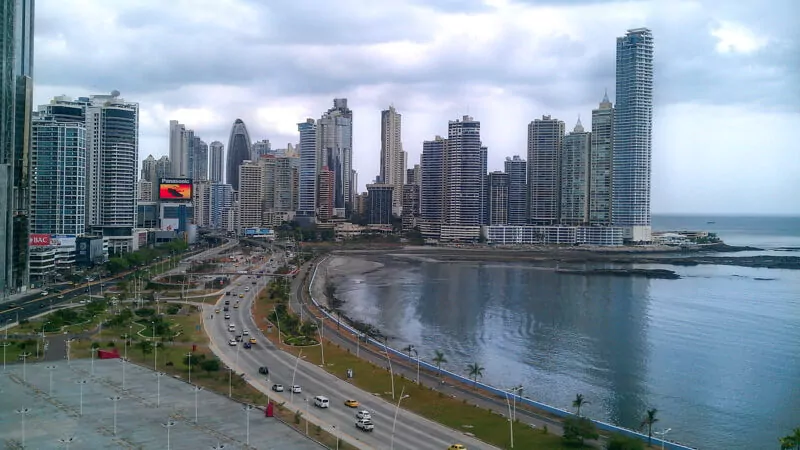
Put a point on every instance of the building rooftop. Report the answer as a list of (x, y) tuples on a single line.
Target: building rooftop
[(54, 417)]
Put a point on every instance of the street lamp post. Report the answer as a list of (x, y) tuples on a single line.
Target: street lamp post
[(168, 425), (115, 399), (24, 356), (321, 342), (396, 411), (158, 388), (189, 356), (81, 383), (663, 434), (51, 369), (247, 409), (333, 428), (391, 372), (4, 345), (197, 390), (294, 371), (93, 351), (123, 362), (23, 412), (66, 441)]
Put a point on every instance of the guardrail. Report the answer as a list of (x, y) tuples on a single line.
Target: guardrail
[(485, 387)]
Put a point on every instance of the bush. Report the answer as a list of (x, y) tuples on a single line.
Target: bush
[(297, 416), (619, 442), (577, 429), (210, 365), (111, 344)]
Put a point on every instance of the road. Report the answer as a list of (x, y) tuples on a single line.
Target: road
[(412, 432)]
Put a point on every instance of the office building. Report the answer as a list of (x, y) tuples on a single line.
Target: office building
[(393, 158), (484, 186), (261, 149), (201, 203), (179, 141), (414, 175), (465, 174), (217, 162), (379, 204), (633, 135), (238, 151), (307, 202), (334, 145), (574, 208), (221, 203), (601, 163), (16, 101), (545, 139), (325, 196), (198, 159), (432, 186), (251, 198), (497, 195), (517, 170)]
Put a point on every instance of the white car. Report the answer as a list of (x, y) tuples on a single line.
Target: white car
[(245, 332), (365, 425), (227, 316), (232, 342), (364, 414), (297, 389), (277, 387)]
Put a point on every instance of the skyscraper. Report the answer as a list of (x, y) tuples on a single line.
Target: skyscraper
[(261, 149), (325, 193), (179, 138), (517, 170), (217, 162), (238, 152), (221, 202), (545, 138), (497, 194), (633, 135), (198, 167), (251, 194), (432, 181), (307, 201), (16, 100), (379, 203), (335, 150), (393, 158), (574, 207), (465, 174), (601, 165)]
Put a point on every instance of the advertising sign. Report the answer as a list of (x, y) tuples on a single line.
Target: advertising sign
[(170, 224), (250, 231), (39, 240), (63, 240), (175, 189), (263, 231)]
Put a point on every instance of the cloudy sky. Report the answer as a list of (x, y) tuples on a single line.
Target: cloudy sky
[(727, 76)]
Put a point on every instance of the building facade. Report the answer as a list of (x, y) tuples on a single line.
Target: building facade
[(334, 146), (217, 162), (221, 204), (517, 170), (393, 158), (379, 201), (465, 176), (308, 169), (198, 159), (201, 201), (601, 166), (497, 194), (179, 141), (326, 191), (261, 149), (239, 151), (575, 160), (251, 194), (545, 139), (432, 186), (411, 204), (633, 135)]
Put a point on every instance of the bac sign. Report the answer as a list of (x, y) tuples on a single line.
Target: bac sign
[(39, 240)]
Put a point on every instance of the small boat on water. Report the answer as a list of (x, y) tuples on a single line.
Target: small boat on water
[(710, 222)]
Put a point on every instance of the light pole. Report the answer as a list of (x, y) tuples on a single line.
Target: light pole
[(158, 388), (321, 342), (396, 411), (291, 400), (333, 428), (306, 400), (416, 353), (663, 435), (168, 425), (115, 399), (189, 361), (197, 390), (510, 420), (123, 362), (93, 351), (23, 412), (155, 348), (24, 356), (247, 409), (391, 372), (81, 383), (51, 369), (277, 324), (4, 345), (66, 441)]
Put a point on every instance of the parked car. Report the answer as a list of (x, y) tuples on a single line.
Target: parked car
[(365, 425), (277, 387)]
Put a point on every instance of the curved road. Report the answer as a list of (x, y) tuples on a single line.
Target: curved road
[(412, 432)]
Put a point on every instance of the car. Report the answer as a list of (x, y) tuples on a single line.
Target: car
[(248, 345), (61, 296), (351, 403), (232, 342), (263, 370), (225, 308), (277, 387), (227, 302), (241, 295), (228, 293), (245, 332), (227, 316), (238, 338), (236, 305), (216, 310), (457, 447), (297, 389), (252, 340), (363, 414), (45, 293), (365, 425)]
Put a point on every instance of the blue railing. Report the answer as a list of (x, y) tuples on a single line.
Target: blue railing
[(485, 387)]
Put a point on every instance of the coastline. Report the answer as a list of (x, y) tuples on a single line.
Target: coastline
[(335, 268)]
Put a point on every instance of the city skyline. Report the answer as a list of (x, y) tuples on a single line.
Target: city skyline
[(691, 96)]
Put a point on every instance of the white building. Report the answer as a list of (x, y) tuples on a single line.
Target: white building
[(393, 158), (178, 149), (553, 235)]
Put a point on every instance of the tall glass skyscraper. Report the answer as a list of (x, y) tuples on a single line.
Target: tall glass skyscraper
[(239, 150), (16, 98), (307, 200), (633, 135)]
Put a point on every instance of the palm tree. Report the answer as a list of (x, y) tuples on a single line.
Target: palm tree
[(579, 402), (146, 347), (792, 441), (408, 349), (475, 371), (649, 420), (439, 359)]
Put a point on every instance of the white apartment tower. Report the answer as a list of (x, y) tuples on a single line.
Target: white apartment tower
[(217, 158), (179, 138), (601, 165), (251, 194), (545, 138), (575, 177), (393, 158)]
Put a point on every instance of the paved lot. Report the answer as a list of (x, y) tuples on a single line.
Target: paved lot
[(55, 416)]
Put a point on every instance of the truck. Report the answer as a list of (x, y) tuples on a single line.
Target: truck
[(365, 425)]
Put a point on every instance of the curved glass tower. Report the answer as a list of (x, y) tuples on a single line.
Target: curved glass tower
[(239, 150)]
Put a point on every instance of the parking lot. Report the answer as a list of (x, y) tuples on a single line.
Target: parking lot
[(150, 410)]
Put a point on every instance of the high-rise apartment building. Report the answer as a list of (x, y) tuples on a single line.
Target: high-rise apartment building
[(179, 141), (16, 102), (201, 203), (379, 203), (155, 169), (484, 186), (198, 159), (601, 166), (545, 139), (414, 175), (280, 183), (148, 168), (432, 182), (574, 208), (58, 184), (517, 170), (217, 157), (393, 158), (411, 204), (307, 202), (464, 181), (238, 151), (633, 135), (144, 193), (325, 194), (335, 150), (497, 195), (251, 194), (221, 203), (261, 149)]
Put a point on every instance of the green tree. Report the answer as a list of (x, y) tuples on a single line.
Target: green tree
[(619, 442), (146, 347), (210, 365), (649, 420), (408, 349), (475, 371), (577, 429), (579, 402), (439, 359), (792, 441), (194, 360)]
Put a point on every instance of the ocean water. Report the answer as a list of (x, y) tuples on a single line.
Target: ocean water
[(716, 352)]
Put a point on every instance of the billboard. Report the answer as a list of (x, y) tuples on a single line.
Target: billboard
[(175, 189), (39, 240), (258, 232), (170, 224), (63, 240), (89, 251)]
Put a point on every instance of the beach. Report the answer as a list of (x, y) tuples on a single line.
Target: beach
[(338, 267)]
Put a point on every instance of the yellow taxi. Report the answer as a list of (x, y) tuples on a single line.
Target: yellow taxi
[(241, 295), (252, 340), (351, 403), (457, 447), (216, 310)]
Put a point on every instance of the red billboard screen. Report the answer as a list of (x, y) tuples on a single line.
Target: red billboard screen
[(175, 191), (39, 240)]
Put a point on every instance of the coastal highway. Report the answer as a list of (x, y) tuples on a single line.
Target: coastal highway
[(412, 432)]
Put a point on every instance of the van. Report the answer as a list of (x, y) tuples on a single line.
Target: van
[(231, 327), (321, 402)]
